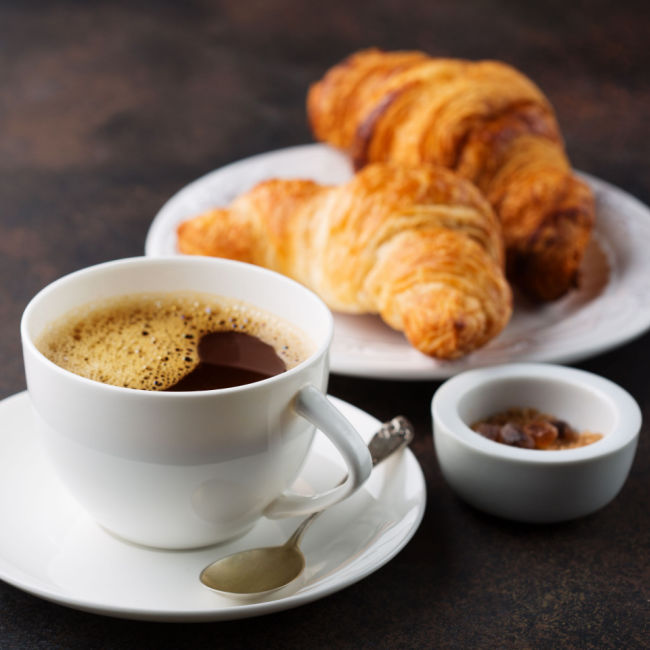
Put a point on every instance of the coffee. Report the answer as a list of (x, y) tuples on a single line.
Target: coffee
[(178, 341), (230, 359)]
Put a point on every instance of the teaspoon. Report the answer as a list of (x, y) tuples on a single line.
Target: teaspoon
[(257, 573)]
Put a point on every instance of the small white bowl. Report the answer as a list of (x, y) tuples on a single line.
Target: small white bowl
[(534, 485)]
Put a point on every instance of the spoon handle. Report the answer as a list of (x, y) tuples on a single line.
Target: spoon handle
[(390, 437)]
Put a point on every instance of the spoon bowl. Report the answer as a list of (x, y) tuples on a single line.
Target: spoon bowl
[(257, 573)]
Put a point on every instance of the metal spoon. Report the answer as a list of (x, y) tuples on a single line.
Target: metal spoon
[(257, 573)]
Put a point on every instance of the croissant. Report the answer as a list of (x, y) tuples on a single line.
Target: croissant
[(419, 246), (484, 120)]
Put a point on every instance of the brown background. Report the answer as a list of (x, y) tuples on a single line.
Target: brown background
[(108, 108)]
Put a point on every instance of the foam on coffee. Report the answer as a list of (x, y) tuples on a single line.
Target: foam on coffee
[(150, 341)]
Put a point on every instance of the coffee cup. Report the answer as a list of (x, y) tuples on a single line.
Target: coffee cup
[(188, 469)]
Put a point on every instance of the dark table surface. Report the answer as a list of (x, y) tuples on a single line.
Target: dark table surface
[(108, 108)]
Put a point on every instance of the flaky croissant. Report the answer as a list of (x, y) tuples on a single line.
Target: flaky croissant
[(486, 121), (419, 246)]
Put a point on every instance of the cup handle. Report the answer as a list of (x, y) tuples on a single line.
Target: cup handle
[(314, 406)]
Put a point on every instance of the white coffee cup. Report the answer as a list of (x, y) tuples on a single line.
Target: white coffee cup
[(188, 469)]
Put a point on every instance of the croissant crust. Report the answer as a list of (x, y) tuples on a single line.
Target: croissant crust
[(484, 120), (421, 247)]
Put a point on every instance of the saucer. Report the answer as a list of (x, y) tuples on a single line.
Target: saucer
[(51, 548)]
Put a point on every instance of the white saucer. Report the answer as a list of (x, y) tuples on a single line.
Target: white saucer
[(52, 549), (611, 306)]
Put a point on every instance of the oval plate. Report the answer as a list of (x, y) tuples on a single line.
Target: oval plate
[(611, 307)]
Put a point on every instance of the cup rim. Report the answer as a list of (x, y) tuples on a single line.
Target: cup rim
[(446, 400), (28, 342)]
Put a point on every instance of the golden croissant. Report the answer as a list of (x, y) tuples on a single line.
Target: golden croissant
[(419, 246), (484, 120)]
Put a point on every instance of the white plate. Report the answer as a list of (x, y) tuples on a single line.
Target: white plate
[(52, 549), (611, 307)]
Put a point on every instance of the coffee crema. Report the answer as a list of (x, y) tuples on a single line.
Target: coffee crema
[(177, 341)]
